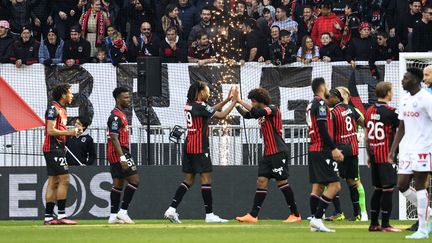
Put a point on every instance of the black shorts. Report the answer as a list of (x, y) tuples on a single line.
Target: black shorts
[(56, 162), (349, 168), (384, 174), (274, 166), (117, 171), (322, 168), (196, 163)]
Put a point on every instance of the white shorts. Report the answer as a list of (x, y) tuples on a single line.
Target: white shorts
[(414, 162)]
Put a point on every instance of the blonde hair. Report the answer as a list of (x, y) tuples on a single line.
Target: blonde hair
[(344, 90)]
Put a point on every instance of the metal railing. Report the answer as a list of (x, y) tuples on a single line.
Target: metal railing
[(229, 145)]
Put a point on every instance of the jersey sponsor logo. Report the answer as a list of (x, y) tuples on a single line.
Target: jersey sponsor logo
[(411, 114), (422, 158), (278, 170)]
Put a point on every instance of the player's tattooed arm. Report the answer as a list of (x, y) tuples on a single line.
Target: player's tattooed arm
[(398, 137)]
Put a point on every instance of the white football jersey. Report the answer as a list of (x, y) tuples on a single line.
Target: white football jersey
[(416, 113)]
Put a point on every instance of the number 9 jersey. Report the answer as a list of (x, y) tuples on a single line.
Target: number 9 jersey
[(381, 121), (198, 115)]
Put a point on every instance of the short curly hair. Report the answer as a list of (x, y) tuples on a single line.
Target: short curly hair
[(60, 90), (261, 95)]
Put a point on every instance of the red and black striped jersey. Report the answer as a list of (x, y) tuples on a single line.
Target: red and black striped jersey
[(381, 123), (117, 124), (56, 113), (198, 115), (345, 119), (318, 110), (270, 119)]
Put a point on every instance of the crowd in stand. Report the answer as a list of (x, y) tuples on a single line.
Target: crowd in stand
[(279, 32)]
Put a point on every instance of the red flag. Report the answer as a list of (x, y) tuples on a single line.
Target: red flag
[(15, 113), (355, 97)]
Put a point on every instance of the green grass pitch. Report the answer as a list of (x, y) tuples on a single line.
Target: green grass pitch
[(267, 231)]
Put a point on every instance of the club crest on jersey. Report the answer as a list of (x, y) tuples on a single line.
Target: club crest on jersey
[(209, 109), (83, 140), (322, 111)]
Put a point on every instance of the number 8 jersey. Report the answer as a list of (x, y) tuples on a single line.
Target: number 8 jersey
[(381, 121), (198, 115), (345, 119)]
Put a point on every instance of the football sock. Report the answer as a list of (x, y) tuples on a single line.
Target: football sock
[(313, 202), (362, 198), (206, 192), (355, 199), (128, 195), (49, 209), (422, 206), (61, 206), (178, 196), (289, 198), (322, 206), (386, 206), (375, 206), (337, 205), (410, 195), (260, 196), (115, 199)]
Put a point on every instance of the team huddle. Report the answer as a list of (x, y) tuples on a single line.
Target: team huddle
[(333, 153)]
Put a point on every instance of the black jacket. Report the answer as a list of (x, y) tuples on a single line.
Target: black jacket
[(28, 52), (83, 148), (256, 39), (333, 51), (169, 55), (281, 55), (360, 49), (79, 51), (5, 44), (422, 37), (142, 50)]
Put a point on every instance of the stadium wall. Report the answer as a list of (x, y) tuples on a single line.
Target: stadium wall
[(22, 190)]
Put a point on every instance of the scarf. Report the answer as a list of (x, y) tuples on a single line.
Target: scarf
[(100, 26)]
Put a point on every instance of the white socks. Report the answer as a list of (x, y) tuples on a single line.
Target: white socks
[(422, 210), (411, 196)]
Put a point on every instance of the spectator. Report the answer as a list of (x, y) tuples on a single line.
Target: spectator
[(254, 8), (111, 9), (118, 49), (205, 25), (21, 15), (330, 51), (229, 51), (146, 44), (217, 11), (81, 146), (108, 40), (25, 50), (305, 23), (327, 22), (6, 41), (308, 52), (66, 14), (360, 49), (386, 50), (51, 49), (188, 15), (171, 19), (139, 13), (93, 26), (266, 21), (101, 56), (76, 50), (202, 50), (422, 32), (283, 51), (173, 49), (43, 20), (286, 23), (352, 23), (376, 15), (240, 13), (404, 23), (275, 34), (256, 48)]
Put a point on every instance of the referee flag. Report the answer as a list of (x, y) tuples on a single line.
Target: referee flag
[(15, 113)]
